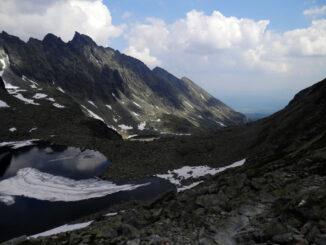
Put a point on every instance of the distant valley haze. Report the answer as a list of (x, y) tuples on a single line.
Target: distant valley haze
[(252, 55)]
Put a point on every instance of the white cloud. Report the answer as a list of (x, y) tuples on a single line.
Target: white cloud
[(315, 11), (35, 18), (213, 48), (143, 55)]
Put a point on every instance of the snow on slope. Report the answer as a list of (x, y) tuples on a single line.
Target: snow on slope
[(63, 228), (39, 96), (3, 104), (33, 183), (7, 200), (92, 114), (177, 175), (18, 144)]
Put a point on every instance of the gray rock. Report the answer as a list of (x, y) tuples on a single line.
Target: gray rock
[(283, 238), (206, 241), (133, 242), (312, 234), (223, 238), (17, 240), (321, 240)]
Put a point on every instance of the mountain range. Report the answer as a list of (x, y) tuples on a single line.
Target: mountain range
[(87, 80), (53, 91)]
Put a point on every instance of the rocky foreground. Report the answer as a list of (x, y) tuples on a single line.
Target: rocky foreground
[(266, 201)]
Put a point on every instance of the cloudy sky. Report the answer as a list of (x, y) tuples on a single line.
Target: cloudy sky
[(254, 55)]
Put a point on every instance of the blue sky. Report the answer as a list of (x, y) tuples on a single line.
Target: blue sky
[(254, 55), (284, 14)]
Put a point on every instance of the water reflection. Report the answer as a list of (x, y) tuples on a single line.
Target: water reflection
[(5, 159), (33, 215), (59, 160)]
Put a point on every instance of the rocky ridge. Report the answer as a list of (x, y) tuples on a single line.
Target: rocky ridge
[(109, 86)]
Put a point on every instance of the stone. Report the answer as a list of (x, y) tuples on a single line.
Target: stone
[(133, 242), (312, 234), (206, 241), (283, 238), (17, 240), (223, 238)]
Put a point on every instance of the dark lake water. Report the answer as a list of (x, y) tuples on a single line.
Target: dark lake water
[(52, 185)]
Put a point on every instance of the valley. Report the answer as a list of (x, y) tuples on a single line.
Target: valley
[(167, 163)]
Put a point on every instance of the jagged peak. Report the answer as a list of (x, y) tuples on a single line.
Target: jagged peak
[(33, 40), (159, 69), (82, 39), (51, 38), (5, 35)]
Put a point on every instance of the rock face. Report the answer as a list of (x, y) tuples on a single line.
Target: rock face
[(117, 89)]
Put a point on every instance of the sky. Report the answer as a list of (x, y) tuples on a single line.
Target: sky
[(253, 55)]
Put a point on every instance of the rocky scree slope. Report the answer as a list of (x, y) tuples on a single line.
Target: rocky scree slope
[(277, 197), (109, 86), (293, 129)]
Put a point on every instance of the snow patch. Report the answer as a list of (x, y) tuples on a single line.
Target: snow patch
[(176, 176), (92, 114), (63, 228), (131, 136), (8, 200), (14, 90), (92, 103), (32, 183), (58, 105), (111, 214), (125, 127), (3, 62), (142, 126), (18, 144), (95, 116), (202, 96), (11, 89), (221, 124), (136, 104), (25, 100), (33, 84), (51, 99), (32, 129), (13, 129), (61, 90), (188, 104), (135, 114), (108, 106), (39, 96), (3, 104), (187, 187)]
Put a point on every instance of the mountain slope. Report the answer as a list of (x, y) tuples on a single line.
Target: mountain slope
[(110, 86), (277, 197)]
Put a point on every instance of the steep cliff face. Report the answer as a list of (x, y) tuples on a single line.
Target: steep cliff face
[(117, 89)]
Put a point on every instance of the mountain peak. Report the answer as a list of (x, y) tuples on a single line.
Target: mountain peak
[(81, 39), (51, 38)]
